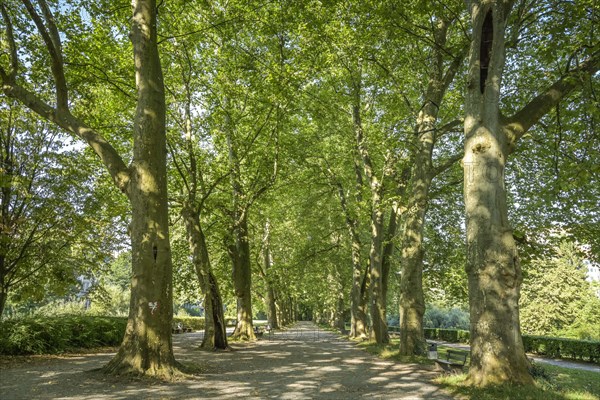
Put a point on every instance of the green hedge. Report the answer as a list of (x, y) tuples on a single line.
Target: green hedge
[(448, 335), (57, 335), (196, 323), (586, 350)]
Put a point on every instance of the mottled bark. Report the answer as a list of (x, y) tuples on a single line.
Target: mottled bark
[(242, 281), (412, 301), (147, 347), (493, 268), (379, 332), (215, 332)]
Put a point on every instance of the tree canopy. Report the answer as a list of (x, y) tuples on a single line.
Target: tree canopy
[(343, 161)]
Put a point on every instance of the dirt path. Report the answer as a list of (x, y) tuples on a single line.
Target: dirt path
[(301, 363)]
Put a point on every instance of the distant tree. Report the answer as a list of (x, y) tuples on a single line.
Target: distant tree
[(556, 298), (42, 225)]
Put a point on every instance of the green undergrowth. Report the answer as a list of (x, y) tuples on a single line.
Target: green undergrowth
[(53, 335)]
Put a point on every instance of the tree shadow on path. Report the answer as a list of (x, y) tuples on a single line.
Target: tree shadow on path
[(296, 367)]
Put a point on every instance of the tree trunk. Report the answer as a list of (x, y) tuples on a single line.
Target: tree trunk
[(3, 297), (242, 281), (379, 332), (147, 347), (358, 318), (215, 334), (270, 297), (358, 303), (378, 319), (388, 249), (493, 269), (412, 302)]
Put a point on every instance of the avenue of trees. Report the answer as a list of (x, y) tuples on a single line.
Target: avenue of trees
[(344, 161)]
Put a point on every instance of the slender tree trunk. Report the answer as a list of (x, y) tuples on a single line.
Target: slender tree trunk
[(412, 302), (3, 298), (378, 319), (493, 268), (358, 318), (215, 334), (242, 281), (388, 249), (270, 297), (217, 337), (147, 347)]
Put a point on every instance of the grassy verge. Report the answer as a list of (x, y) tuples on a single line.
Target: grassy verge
[(558, 384), (552, 382)]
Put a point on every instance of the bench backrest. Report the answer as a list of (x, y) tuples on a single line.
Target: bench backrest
[(459, 357)]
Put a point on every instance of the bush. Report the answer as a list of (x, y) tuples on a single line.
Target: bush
[(196, 323), (59, 334), (448, 335), (453, 318), (587, 350)]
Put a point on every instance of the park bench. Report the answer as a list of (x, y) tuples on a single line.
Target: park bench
[(258, 331), (454, 362), (180, 328)]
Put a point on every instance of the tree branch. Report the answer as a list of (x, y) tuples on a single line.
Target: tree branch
[(449, 162), (14, 61), (518, 124), (51, 38), (108, 155)]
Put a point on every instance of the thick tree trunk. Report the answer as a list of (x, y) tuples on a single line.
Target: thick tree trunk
[(379, 332), (242, 281), (493, 269), (147, 347), (412, 301)]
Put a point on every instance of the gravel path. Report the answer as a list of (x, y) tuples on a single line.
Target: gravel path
[(300, 363)]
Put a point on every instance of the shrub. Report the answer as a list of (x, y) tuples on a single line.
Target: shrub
[(587, 350), (59, 334), (454, 318), (449, 335), (196, 323)]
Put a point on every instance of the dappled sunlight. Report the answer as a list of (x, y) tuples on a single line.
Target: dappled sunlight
[(307, 367)]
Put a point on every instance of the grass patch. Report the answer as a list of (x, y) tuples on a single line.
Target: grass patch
[(555, 383), (552, 382), (391, 351)]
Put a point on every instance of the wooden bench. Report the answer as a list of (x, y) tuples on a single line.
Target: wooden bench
[(180, 328), (454, 362)]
